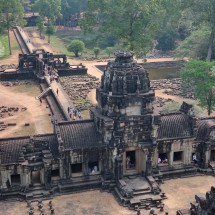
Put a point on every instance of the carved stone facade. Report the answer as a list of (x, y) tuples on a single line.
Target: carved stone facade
[(124, 116)]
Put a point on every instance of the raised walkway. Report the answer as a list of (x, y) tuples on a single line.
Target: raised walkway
[(62, 97)]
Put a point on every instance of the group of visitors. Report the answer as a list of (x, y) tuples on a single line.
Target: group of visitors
[(74, 113), (93, 170), (165, 160), (128, 162)]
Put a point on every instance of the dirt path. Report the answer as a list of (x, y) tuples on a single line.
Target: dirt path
[(39, 43)]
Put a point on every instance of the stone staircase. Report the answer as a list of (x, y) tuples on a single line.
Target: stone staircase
[(176, 171), (212, 167), (143, 195), (79, 184)]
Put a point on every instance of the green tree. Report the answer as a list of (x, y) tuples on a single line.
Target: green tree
[(12, 15), (132, 22), (96, 51), (198, 75), (71, 8), (109, 51), (50, 30), (166, 40), (196, 45), (50, 9), (167, 34), (204, 13), (76, 46), (40, 25)]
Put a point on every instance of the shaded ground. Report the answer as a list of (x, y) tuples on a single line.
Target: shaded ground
[(181, 192), (85, 203), (24, 96)]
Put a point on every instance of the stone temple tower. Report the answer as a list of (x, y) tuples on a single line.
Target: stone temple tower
[(124, 116)]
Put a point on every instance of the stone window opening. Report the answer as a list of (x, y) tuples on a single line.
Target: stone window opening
[(162, 158), (178, 156), (36, 177), (212, 155), (93, 167), (55, 173), (76, 168), (15, 179), (130, 160)]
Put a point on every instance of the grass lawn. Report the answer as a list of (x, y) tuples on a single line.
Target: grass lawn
[(4, 48), (62, 38)]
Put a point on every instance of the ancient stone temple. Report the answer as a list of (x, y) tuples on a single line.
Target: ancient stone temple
[(124, 116), (124, 148)]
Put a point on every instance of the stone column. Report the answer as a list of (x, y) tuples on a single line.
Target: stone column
[(171, 155), (207, 155), (118, 168), (85, 163), (61, 169)]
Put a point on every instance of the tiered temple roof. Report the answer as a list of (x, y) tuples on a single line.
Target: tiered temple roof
[(79, 134), (175, 125)]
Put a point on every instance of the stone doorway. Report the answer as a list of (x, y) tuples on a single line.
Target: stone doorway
[(162, 158), (212, 155), (93, 167), (15, 180), (55, 173), (76, 168), (35, 177), (178, 156), (130, 160)]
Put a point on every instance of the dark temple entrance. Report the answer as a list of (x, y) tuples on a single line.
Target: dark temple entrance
[(15, 179), (76, 168), (35, 177), (130, 160), (212, 155), (178, 156), (93, 167)]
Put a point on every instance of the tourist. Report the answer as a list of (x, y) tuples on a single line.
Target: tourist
[(41, 101), (57, 91), (194, 158), (128, 162), (159, 160), (75, 111), (95, 168), (79, 115), (165, 160), (68, 109)]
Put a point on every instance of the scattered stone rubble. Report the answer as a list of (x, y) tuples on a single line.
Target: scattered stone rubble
[(10, 66), (173, 87), (160, 102), (9, 111), (78, 87), (16, 83)]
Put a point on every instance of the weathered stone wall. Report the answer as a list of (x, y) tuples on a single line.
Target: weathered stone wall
[(15, 75), (170, 146), (73, 71), (7, 171)]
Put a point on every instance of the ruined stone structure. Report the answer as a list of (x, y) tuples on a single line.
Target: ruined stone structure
[(123, 138), (124, 116)]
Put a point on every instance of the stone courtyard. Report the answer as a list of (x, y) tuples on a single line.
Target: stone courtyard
[(179, 193)]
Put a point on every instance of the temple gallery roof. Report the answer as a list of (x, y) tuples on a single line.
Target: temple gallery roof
[(204, 127), (175, 125), (10, 148), (79, 134)]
